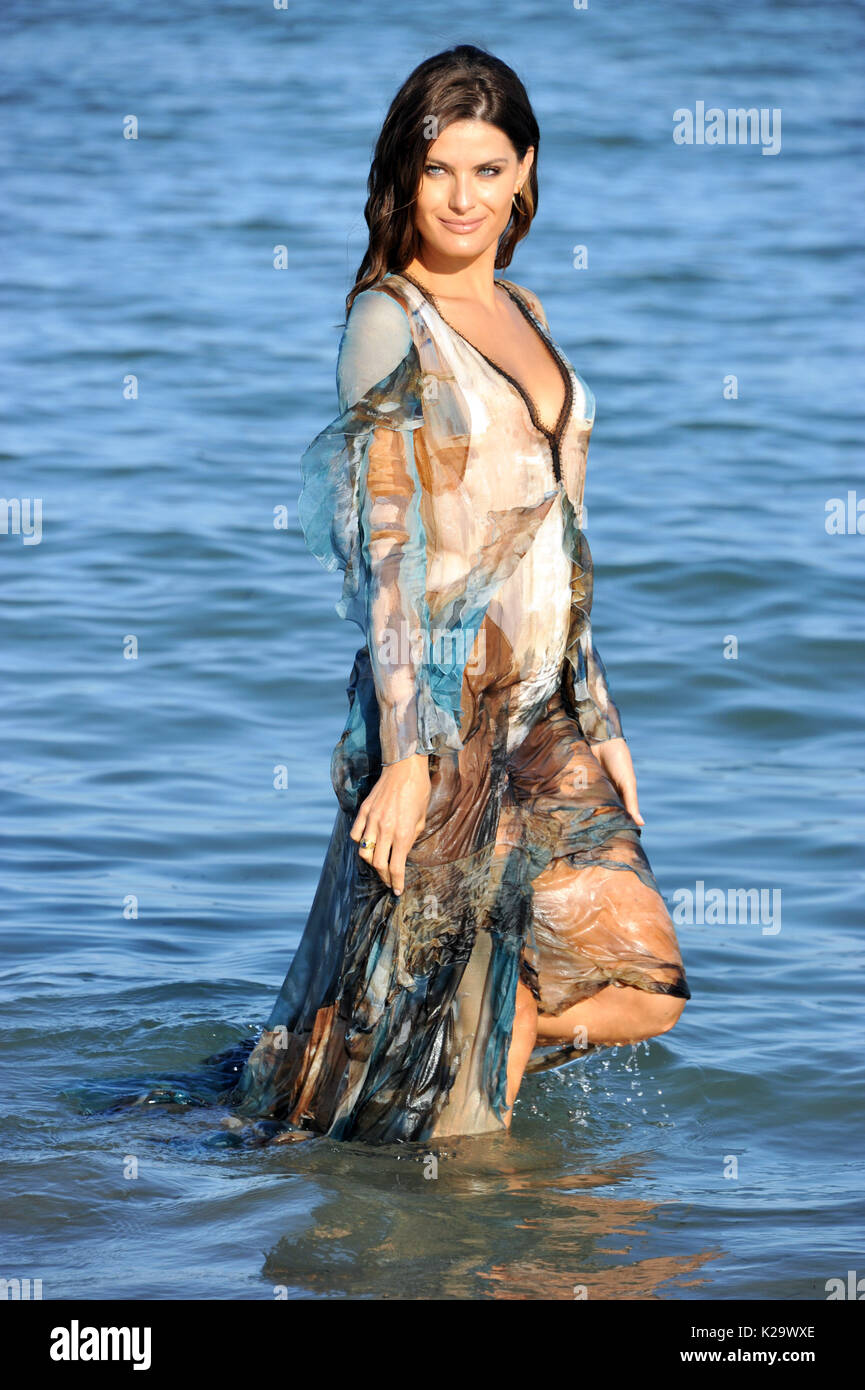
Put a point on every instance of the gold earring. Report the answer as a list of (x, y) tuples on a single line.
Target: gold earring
[(517, 205)]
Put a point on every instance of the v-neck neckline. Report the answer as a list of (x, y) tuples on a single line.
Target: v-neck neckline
[(553, 435)]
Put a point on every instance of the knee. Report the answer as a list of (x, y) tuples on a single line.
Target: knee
[(663, 1012)]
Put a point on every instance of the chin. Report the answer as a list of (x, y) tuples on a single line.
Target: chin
[(451, 243)]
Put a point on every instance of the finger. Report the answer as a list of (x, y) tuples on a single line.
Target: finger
[(632, 805), (368, 840), (357, 830), (398, 855), (381, 856)]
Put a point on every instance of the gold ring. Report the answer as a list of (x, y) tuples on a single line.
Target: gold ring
[(367, 844)]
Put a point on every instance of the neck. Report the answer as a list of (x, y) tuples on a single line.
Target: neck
[(473, 281)]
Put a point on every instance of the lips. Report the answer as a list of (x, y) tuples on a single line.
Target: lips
[(453, 226)]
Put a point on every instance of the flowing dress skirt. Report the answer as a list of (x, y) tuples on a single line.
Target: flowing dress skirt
[(394, 1020)]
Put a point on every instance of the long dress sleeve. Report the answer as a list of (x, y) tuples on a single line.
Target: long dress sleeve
[(599, 715), (584, 675), (375, 341), (360, 510)]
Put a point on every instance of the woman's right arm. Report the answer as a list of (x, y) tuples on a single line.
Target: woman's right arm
[(375, 341)]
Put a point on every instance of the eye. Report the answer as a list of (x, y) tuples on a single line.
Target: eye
[(493, 169)]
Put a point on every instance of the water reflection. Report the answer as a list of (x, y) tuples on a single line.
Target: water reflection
[(498, 1221)]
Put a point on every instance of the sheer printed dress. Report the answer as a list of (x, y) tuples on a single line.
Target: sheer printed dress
[(453, 512)]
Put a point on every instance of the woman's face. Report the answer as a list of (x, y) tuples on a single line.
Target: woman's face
[(470, 175)]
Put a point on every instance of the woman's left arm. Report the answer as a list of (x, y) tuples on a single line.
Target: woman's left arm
[(614, 755), (585, 684), (598, 713), (602, 725)]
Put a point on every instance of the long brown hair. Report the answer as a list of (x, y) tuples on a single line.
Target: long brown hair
[(463, 83)]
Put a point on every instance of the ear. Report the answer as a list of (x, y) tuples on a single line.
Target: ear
[(525, 164)]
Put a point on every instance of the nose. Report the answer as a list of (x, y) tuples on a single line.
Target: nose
[(462, 196)]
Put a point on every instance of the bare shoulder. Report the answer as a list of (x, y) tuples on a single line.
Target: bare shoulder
[(530, 299)]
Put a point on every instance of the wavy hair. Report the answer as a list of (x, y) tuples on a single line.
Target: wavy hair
[(463, 83)]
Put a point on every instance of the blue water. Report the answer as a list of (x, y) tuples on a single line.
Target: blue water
[(154, 880)]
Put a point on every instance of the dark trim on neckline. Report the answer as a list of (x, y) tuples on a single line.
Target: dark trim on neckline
[(553, 436)]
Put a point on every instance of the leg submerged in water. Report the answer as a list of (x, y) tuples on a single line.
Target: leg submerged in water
[(523, 1038)]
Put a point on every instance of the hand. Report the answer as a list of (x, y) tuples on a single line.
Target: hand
[(614, 755), (392, 817)]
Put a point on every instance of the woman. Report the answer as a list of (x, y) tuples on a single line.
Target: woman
[(485, 892)]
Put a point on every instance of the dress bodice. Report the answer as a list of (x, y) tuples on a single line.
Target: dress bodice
[(503, 418), (510, 461), (454, 513)]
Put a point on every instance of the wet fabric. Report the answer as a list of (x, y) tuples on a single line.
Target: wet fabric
[(453, 512)]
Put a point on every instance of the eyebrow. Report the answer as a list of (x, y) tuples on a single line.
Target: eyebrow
[(496, 159)]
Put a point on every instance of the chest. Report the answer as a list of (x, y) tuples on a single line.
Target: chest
[(514, 347)]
